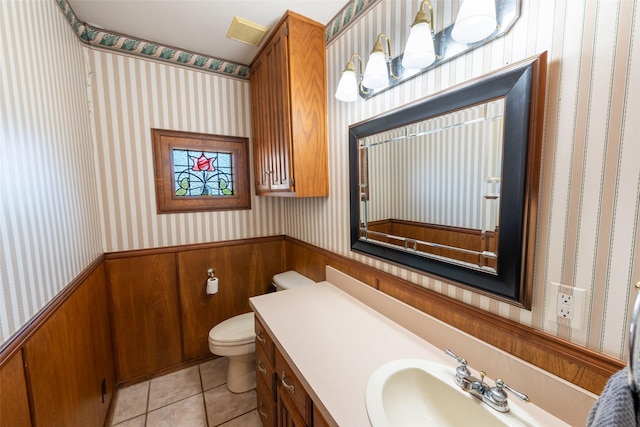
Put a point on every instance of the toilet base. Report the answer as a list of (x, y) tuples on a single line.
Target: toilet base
[(241, 373)]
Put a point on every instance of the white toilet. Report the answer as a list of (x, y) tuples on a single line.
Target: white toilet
[(235, 338)]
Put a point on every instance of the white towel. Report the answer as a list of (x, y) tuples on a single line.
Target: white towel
[(616, 406)]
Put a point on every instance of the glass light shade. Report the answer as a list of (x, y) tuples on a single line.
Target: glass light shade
[(420, 51), (347, 90), (476, 21), (375, 73)]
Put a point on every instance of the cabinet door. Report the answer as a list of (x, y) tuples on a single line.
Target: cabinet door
[(265, 405), (288, 414), (259, 85), (278, 59), (291, 390), (271, 114)]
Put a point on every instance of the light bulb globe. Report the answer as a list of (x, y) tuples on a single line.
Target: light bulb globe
[(347, 90), (375, 73), (420, 50)]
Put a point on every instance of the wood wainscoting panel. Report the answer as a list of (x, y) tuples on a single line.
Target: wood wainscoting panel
[(70, 357), (581, 366), (243, 270), (14, 403), (578, 365), (143, 297), (311, 261)]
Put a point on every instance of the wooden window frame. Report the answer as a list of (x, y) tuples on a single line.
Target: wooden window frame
[(165, 141)]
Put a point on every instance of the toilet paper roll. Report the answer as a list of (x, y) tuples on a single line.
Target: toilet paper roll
[(212, 286)]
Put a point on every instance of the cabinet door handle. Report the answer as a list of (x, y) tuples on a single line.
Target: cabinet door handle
[(260, 368), (260, 339), (261, 412), (287, 386)]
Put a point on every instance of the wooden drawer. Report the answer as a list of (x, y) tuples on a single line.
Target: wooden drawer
[(264, 341), (265, 370), (288, 384), (266, 403)]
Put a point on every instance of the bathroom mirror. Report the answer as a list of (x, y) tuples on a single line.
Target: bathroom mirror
[(448, 185)]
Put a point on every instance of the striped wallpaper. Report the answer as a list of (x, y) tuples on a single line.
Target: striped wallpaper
[(130, 97), (100, 164), (49, 218), (588, 216), (436, 171)]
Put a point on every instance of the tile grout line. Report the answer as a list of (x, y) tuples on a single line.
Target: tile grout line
[(146, 412), (204, 402), (209, 422)]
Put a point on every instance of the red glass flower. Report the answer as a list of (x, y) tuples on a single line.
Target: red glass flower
[(202, 163)]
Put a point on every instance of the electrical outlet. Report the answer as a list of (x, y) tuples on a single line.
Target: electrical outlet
[(565, 298), (570, 304), (565, 306)]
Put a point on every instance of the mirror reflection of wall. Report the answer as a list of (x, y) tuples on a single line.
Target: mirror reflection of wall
[(434, 186), (482, 140)]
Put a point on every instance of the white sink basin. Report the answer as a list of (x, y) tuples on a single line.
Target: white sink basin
[(416, 392)]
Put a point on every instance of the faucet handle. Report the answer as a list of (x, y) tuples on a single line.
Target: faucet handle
[(461, 371), (499, 395), (452, 354)]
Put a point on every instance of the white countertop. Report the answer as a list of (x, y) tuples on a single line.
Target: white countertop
[(334, 343)]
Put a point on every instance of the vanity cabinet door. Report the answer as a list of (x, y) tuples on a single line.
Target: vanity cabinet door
[(288, 414), (265, 376), (264, 342), (266, 404), (291, 393), (265, 371)]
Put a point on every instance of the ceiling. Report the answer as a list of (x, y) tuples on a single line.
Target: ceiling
[(199, 26)]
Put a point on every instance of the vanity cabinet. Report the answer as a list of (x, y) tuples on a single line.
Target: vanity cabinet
[(265, 377), (294, 404), (289, 112), (282, 400)]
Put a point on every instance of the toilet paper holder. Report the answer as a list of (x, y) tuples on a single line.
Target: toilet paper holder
[(211, 287)]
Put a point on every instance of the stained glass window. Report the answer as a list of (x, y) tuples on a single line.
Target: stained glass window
[(202, 173)]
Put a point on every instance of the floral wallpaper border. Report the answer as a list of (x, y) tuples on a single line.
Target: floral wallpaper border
[(104, 39), (347, 16), (130, 45)]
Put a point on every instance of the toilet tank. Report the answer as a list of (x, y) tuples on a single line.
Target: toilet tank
[(290, 279)]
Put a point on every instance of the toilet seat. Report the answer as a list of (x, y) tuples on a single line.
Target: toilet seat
[(238, 330)]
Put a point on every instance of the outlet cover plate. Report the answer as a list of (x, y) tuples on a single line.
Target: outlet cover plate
[(569, 299)]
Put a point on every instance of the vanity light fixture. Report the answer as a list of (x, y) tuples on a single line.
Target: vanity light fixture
[(476, 21), (347, 90), (376, 75), (420, 51)]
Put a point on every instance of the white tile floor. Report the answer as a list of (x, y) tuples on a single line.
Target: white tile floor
[(193, 397)]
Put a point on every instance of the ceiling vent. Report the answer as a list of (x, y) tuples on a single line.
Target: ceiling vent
[(246, 31)]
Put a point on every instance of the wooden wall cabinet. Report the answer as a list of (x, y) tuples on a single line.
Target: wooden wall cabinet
[(289, 111)]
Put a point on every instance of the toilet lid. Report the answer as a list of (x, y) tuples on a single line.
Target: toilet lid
[(238, 329)]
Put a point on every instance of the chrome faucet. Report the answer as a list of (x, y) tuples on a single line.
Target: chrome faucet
[(495, 396)]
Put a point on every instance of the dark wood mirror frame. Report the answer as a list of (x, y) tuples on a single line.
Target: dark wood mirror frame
[(522, 85)]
